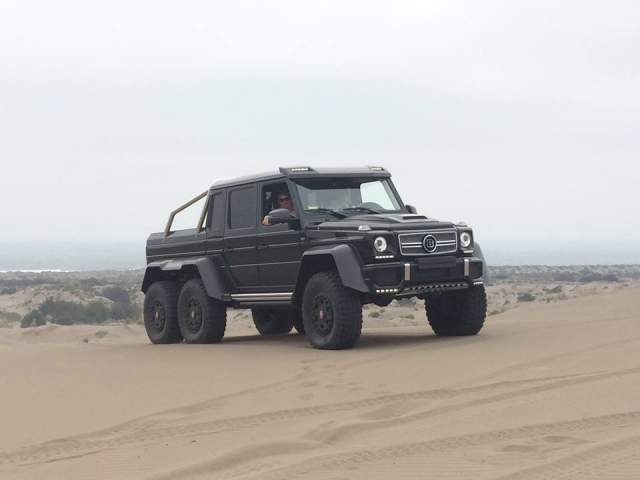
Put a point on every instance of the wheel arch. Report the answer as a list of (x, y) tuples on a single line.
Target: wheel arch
[(342, 258), (485, 268), (201, 267)]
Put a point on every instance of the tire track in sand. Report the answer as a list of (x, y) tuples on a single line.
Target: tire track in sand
[(150, 428), (341, 432), (586, 463), (234, 464)]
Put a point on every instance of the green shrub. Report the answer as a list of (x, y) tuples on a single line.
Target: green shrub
[(526, 297), (62, 312), (34, 318), (120, 311), (116, 294)]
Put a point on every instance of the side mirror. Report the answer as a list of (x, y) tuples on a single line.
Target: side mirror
[(280, 215), (411, 209)]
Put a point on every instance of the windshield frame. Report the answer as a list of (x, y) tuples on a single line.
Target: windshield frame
[(315, 216)]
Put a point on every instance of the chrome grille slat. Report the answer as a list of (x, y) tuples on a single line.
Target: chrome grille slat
[(411, 242)]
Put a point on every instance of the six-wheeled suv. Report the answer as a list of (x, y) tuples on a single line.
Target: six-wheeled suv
[(305, 248)]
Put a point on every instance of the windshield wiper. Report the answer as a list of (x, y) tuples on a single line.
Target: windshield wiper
[(326, 210), (359, 209)]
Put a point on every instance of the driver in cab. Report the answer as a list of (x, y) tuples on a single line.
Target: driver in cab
[(284, 201)]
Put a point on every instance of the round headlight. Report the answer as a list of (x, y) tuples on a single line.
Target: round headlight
[(380, 244), (465, 239)]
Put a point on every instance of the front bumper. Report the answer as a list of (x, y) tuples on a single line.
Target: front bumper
[(422, 275)]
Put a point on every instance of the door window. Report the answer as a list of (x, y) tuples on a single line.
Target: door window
[(242, 207), (216, 209), (276, 195)]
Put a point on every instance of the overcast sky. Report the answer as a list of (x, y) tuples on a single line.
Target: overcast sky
[(522, 118)]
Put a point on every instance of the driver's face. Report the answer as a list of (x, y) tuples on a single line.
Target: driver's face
[(284, 201)]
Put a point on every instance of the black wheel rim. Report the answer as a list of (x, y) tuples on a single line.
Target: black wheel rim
[(193, 317), (322, 315), (158, 316)]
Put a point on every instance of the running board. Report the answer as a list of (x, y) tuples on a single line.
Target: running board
[(262, 297)]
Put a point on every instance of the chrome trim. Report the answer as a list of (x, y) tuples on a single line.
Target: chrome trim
[(478, 283), (434, 287), (170, 255), (272, 296), (439, 243), (407, 272), (466, 267)]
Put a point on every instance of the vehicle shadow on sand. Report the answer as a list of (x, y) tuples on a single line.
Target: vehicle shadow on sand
[(367, 340)]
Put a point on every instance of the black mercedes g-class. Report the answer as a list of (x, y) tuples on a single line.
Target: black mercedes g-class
[(305, 248)]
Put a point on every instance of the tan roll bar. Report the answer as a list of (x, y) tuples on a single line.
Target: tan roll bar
[(167, 230)]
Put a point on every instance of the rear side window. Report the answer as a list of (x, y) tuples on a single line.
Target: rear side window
[(217, 213), (242, 207)]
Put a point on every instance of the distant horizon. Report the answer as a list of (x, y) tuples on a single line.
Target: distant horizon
[(130, 255)]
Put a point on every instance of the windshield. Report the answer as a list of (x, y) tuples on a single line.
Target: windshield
[(347, 196)]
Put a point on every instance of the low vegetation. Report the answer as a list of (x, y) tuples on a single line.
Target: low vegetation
[(34, 299)]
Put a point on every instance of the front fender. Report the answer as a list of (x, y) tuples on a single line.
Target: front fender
[(477, 251), (347, 263)]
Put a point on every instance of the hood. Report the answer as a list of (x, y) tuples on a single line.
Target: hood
[(382, 221)]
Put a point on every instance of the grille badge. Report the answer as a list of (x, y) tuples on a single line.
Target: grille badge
[(429, 243)]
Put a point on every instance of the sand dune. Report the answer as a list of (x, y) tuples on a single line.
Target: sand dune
[(546, 391)]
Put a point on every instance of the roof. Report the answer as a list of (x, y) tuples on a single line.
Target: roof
[(257, 177), (305, 172)]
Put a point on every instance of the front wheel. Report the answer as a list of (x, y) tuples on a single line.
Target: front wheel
[(331, 312), (458, 312), (202, 319)]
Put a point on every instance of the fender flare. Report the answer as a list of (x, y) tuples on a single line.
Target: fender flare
[(347, 262), (207, 270), (477, 251)]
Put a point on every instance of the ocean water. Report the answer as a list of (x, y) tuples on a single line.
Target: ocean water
[(69, 256)]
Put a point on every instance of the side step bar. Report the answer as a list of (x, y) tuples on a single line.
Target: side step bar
[(262, 297)]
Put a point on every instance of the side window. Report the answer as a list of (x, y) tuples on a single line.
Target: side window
[(275, 196), (216, 209), (242, 207)]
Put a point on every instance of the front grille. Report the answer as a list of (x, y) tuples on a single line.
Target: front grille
[(446, 241)]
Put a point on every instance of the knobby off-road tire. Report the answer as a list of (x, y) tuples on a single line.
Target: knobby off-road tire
[(331, 313), (202, 319), (161, 313), (273, 321), (459, 312)]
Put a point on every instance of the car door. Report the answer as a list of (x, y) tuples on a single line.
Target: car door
[(279, 247), (239, 244)]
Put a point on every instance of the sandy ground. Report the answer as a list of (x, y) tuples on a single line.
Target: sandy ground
[(546, 391)]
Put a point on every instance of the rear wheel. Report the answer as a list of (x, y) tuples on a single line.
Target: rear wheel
[(272, 322), (160, 313), (202, 319), (459, 312), (331, 313)]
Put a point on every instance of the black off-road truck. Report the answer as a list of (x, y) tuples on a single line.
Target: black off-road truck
[(305, 248)]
